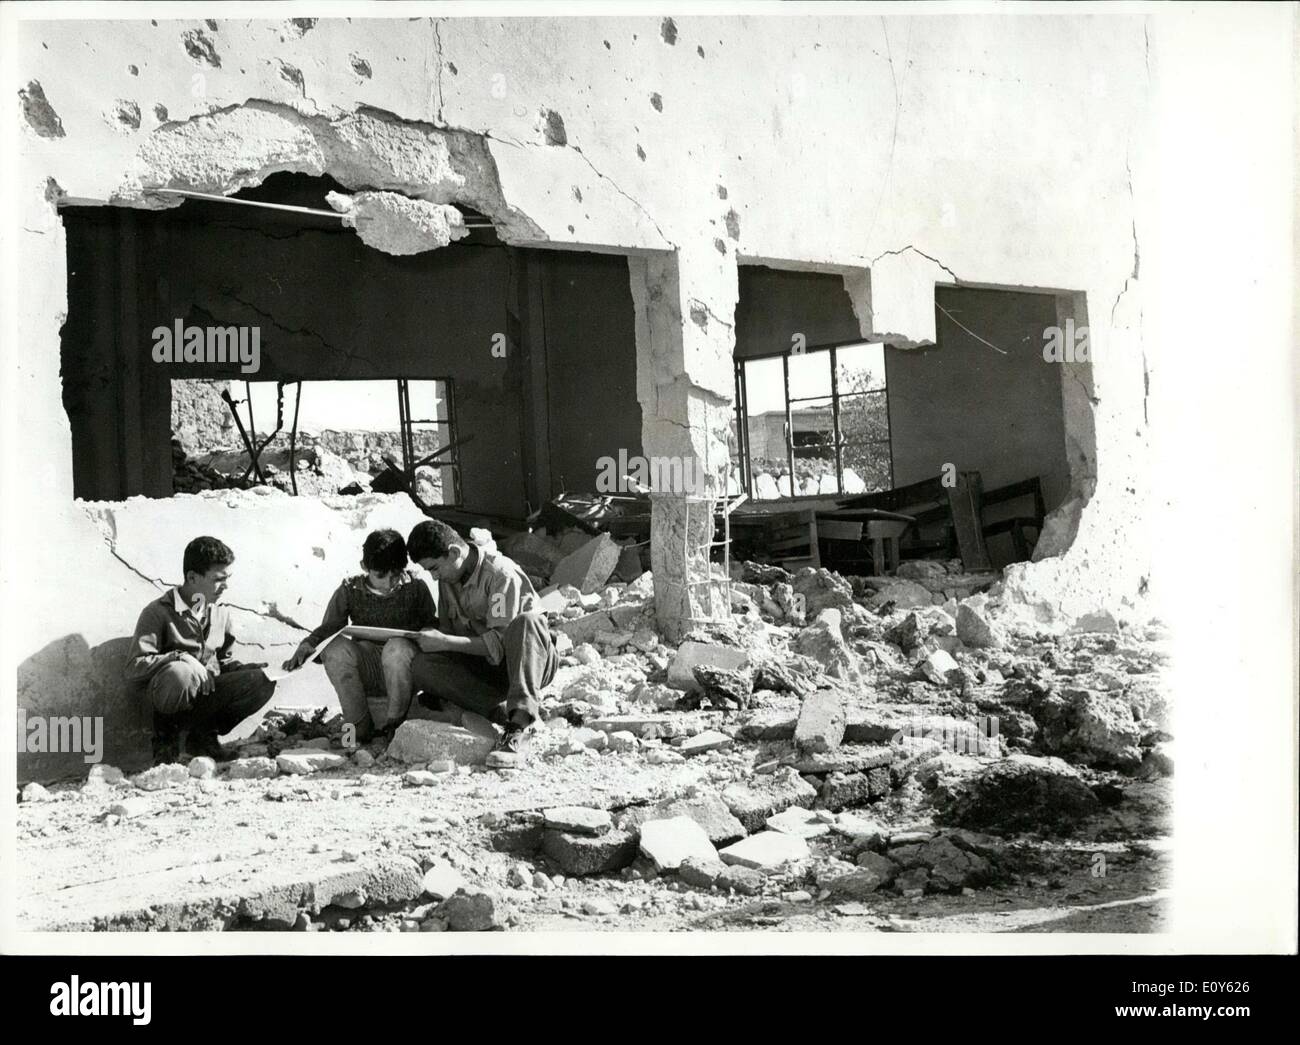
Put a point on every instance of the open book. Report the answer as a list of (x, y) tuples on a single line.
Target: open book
[(360, 631), (276, 674)]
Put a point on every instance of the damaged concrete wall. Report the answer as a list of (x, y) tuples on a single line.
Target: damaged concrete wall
[(1005, 150)]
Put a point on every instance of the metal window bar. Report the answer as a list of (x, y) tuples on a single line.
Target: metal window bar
[(446, 426), (715, 588)]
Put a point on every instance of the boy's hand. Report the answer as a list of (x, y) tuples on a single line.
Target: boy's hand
[(209, 680), (431, 640), (299, 655)]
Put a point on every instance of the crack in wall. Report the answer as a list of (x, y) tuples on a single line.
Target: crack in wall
[(617, 188), (915, 250)]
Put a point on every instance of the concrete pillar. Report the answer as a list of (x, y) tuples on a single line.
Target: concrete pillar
[(685, 309)]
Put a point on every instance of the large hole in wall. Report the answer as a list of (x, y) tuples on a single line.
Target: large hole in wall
[(528, 355), (988, 406)]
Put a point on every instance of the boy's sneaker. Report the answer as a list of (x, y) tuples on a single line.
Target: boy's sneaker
[(511, 751)]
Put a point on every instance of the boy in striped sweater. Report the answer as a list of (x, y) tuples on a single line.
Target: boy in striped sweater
[(373, 680)]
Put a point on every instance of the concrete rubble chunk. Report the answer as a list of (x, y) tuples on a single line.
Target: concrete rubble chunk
[(580, 855), (35, 792), (419, 740), (441, 881), (974, 627), (797, 821), (747, 881), (690, 655), (203, 768), (823, 641), (301, 761), (707, 810), (104, 774), (936, 666), (1101, 621), (419, 778), (579, 820), (588, 568), (644, 726), (709, 740), (701, 873), (160, 777), (471, 911), (252, 768), (1019, 793), (821, 721), (765, 850), (669, 842), (904, 594), (754, 802)]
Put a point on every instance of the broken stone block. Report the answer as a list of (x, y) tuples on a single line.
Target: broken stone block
[(301, 761), (846, 789), (936, 666), (577, 854), (701, 873), (35, 792), (823, 641), (904, 594), (535, 553), (629, 568), (419, 778), (656, 695), (363, 759), (552, 601), (952, 868), (441, 881), (800, 822), (690, 655), (913, 882), (104, 774), (420, 740), (1019, 793), (669, 842), (203, 768), (471, 911), (159, 777), (709, 740), (752, 804), (707, 810), (622, 740), (252, 769), (975, 629), (588, 568), (821, 721), (1090, 727), (724, 688), (822, 589), (744, 880), (874, 871), (906, 634), (765, 850), (579, 820), (598, 907)]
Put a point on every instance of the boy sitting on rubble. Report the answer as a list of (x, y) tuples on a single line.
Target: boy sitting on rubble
[(180, 660), (373, 680), (492, 652)]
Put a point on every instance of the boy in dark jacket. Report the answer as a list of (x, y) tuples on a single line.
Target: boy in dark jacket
[(373, 680)]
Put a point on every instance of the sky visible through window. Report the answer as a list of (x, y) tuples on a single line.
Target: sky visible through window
[(345, 406)]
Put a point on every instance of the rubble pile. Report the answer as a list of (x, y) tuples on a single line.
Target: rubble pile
[(827, 746)]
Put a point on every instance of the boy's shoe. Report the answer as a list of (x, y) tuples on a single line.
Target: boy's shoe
[(166, 748), (511, 751)]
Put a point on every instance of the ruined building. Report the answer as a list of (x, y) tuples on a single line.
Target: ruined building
[(584, 228)]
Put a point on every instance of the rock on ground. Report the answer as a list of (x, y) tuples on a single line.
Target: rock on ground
[(420, 740), (821, 721), (1019, 793), (160, 777), (752, 803), (252, 769), (668, 842), (765, 850)]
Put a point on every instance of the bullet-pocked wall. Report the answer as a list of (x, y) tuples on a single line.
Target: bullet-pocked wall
[(905, 150)]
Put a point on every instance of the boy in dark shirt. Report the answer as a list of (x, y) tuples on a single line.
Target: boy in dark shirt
[(373, 680), (180, 660)]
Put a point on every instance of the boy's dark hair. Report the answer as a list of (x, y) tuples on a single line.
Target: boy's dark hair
[(384, 551), (203, 553), (432, 539)]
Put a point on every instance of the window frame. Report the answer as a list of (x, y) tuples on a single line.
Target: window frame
[(746, 470)]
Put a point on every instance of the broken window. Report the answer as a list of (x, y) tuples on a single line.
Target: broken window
[(820, 416), (314, 438)]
